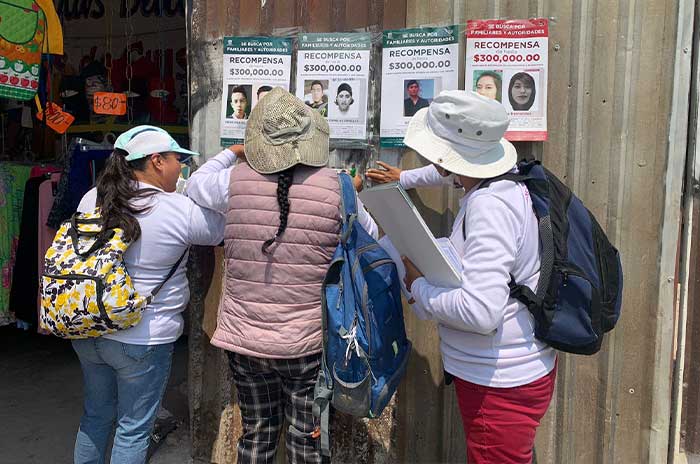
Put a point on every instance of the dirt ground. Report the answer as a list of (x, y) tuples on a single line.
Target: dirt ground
[(41, 401)]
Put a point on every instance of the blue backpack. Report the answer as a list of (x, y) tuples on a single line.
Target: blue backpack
[(365, 349), (579, 292)]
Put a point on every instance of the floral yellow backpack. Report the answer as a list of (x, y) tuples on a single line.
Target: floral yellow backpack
[(86, 290)]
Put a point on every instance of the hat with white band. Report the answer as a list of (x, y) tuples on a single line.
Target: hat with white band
[(462, 132), (142, 141)]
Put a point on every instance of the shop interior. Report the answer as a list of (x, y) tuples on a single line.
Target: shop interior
[(132, 54)]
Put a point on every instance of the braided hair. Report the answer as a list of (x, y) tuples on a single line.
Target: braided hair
[(284, 181)]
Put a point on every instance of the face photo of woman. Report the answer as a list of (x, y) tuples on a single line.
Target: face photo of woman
[(486, 86), (521, 92)]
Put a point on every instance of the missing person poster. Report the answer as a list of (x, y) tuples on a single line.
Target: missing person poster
[(417, 64), (332, 78), (252, 67), (507, 61)]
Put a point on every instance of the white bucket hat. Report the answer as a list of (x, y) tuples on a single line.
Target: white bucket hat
[(283, 132), (462, 132)]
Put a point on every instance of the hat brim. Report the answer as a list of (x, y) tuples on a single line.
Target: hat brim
[(184, 151), (265, 157), (458, 159)]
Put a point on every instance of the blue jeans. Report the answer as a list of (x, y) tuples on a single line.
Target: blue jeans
[(123, 384)]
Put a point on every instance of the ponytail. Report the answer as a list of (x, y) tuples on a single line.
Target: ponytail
[(117, 186), (284, 181)]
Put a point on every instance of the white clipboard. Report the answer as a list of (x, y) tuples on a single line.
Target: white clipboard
[(396, 214)]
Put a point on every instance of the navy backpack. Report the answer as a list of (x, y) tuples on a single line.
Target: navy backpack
[(365, 349), (579, 293)]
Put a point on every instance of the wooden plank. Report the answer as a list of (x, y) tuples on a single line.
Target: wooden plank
[(318, 16), (357, 14), (283, 15), (249, 14)]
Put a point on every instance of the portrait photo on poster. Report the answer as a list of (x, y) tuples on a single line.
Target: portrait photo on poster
[(489, 83), (315, 95), (260, 92), (522, 91), (417, 94), (238, 106), (346, 97)]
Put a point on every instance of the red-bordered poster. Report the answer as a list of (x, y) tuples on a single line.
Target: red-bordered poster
[(507, 61)]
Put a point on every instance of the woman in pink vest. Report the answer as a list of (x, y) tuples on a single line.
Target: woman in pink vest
[(282, 226)]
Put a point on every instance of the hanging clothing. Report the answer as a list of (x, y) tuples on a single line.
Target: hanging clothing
[(76, 180), (26, 32), (54, 32), (13, 178), (46, 233), (25, 276), (22, 33)]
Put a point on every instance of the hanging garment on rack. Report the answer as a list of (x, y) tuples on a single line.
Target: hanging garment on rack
[(76, 180), (25, 275), (54, 32), (22, 33), (42, 170), (13, 178), (46, 233)]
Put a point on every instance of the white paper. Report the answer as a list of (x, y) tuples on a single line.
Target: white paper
[(334, 69), (507, 61), (250, 65), (417, 64)]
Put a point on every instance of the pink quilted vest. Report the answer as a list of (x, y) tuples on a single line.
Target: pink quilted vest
[(271, 306)]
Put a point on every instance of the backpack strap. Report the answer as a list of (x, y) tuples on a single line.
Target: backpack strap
[(486, 182), (533, 301), (348, 205), (170, 274), (322, 407)]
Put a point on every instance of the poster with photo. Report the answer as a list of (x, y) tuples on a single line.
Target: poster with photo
[(417, 64), (332, 78), (252, 67), (507, 61)]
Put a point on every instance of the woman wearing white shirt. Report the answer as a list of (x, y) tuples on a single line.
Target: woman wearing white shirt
[(504, 377), (125, 373)]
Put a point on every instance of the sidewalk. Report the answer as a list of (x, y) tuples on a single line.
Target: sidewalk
[(41, 401)]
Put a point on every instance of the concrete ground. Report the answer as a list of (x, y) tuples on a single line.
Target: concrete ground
[(41, 401)]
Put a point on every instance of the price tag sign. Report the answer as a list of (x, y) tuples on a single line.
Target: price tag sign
[(507, 60), (56, 118), (417, 64), (332, 78), (109, 103), (252, 66)]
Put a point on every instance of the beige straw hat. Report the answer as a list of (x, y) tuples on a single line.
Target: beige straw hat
[(283, 132)]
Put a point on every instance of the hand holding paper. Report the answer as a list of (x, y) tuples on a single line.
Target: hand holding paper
[(412, 272)]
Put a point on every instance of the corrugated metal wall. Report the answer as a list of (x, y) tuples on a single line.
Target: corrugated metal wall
[(610, 100)]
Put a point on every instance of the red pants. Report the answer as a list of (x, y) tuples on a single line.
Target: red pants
[(500, 423)]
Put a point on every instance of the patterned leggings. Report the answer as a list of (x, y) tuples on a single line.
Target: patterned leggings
[(270, 390)]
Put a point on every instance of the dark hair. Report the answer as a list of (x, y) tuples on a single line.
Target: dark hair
[(412, 82), (238, 89), (529, 81), (316, 83), (496, 78), (116, 188), (263, 88), (284, 181), (344, 86)]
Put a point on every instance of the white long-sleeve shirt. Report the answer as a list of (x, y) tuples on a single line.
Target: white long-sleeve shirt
[(167, 230), (486, 337), (208, 187)]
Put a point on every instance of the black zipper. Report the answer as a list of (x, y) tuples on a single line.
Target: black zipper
[(99, 291), (603, 269)]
